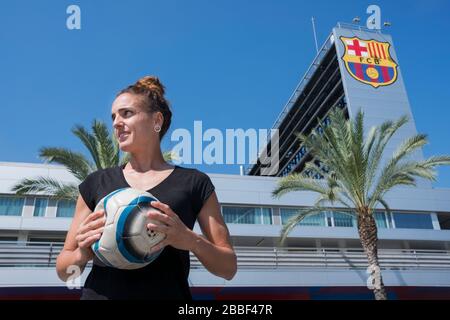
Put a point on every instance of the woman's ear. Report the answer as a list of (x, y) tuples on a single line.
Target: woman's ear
[(158, 119)]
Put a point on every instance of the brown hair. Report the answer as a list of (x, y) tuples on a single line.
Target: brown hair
[(152, 90)]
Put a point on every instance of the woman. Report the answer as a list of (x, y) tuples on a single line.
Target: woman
[(141, 116)]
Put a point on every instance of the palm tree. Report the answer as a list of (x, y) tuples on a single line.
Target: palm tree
[(354, 175), (102, 147)]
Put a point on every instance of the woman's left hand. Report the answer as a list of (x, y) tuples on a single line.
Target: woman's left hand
[(177, 234)]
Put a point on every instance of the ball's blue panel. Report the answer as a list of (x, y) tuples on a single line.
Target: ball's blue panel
[(99, 254), (126, 213), (105, 201)]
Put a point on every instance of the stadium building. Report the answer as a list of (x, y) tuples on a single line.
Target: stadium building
[(323, 259)]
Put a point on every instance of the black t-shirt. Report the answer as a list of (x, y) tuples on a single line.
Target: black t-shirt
[(166, 278)]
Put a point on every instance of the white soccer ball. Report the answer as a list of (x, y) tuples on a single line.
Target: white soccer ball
[(126, 240)]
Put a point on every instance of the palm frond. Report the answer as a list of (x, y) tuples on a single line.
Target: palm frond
[(384, 134), (116, 151), (335, 149), (170, 156), (405, 173), (370, 140), (75, 162), (294, 220), (47, 186), (436, 161), (357, 160), (106, 151), (89, 142), (325, 148), (298, 182), (384, 204)]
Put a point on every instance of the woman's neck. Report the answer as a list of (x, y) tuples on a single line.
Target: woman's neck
[(150, 160)]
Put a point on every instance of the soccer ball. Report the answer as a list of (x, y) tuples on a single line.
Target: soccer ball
[(126, 241)]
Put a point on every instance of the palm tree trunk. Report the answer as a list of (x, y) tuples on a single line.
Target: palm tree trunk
[(367, 229)]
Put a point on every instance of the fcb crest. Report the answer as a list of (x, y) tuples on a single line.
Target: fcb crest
[(369, 61)]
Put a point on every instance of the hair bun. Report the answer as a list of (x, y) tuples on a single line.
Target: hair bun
[(151, 83)]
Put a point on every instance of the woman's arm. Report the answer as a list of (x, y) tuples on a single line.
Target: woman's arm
[(85, 229), (215, 251)]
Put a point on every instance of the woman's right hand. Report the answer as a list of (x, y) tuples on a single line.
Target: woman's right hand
[(89, 231)]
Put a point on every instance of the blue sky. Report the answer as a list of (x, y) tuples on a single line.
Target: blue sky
[(231, 64)]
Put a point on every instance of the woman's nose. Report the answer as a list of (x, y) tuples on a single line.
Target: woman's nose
[(117, 122)]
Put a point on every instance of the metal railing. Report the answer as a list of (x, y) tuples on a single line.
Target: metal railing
[(352, 26), (338, 258), (30, 255)]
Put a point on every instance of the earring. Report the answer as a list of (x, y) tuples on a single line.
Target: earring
[(157, 128)]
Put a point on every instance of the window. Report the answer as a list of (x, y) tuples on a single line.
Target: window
[(40, 206), (342, 219), (315, 220), (11, 206), (8, 239), (413, 221), (266, 215), (65, 208), (247, 215), (380, 220)]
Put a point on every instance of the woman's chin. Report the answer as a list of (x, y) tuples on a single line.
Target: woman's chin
[(125, 147)]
